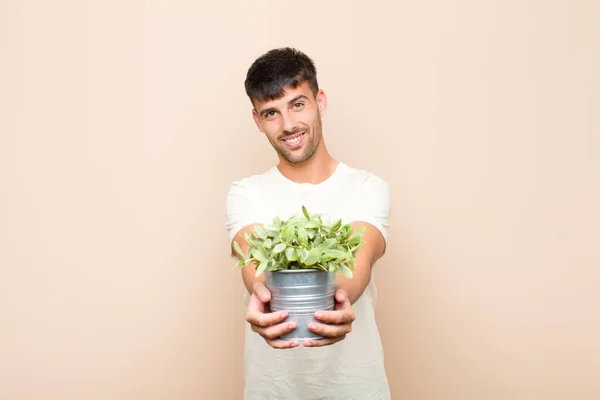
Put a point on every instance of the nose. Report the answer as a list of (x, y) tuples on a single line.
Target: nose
[(289, 121)]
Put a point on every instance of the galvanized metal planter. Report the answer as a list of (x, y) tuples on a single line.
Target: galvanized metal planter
[(301, 292)]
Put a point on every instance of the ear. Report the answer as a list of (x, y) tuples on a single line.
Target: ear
[(322, 102), (256, 119)]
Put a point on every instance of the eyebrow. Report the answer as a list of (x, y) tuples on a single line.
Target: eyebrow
[(292, 101)]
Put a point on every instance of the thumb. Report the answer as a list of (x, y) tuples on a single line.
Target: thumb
[(341, 296), (261, 291)]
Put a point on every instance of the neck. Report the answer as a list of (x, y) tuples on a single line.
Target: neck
[(314, 170)]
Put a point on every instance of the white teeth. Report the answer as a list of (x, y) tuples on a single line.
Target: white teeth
[(293, 141)]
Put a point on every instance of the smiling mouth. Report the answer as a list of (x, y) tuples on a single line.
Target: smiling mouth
[(294, 140)]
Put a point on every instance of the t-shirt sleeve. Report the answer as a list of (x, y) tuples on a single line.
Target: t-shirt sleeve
[(241, 208), (374, 205)]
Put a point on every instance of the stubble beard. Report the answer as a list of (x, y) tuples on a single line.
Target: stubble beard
[(309, 147)]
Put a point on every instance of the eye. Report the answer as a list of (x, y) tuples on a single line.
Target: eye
[(270, 115), (298, 106)]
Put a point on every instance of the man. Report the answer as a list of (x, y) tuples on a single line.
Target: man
[(287, 107)]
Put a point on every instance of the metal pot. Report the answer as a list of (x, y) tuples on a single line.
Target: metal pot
[(301, 292)]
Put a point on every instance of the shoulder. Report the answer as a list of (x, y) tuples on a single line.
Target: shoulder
[(365, 179), (251, 182)]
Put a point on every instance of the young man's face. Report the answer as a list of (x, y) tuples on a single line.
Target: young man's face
[(292, 123)]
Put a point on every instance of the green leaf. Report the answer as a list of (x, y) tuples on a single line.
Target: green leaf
[(260, 232), (334, 254), (273, 233), (284, 234), (261, 268), (238, 249), (346, 271), (303, 255), (346, 232), (241, 263), (291, 254), (302, 236), (279, 248), (320, 266), (331, 267), (287, 234), (317, 240), (272, 265), (311, 224), (354, 250), (305, 212), (336, 226), (313, 256), (351, 263), (258, 255), (329, 243), (355, 240)]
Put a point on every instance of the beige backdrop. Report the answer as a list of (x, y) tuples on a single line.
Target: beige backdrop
[(122, 124)]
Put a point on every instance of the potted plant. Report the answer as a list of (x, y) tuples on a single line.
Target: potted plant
[(300, 258)]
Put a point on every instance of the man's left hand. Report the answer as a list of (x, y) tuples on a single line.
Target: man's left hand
[(338, 323)]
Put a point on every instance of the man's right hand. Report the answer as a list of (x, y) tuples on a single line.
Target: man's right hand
[(265, 323)]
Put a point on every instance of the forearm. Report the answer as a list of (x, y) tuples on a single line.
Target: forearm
[(249, 278), (355, 286), (365, 261)]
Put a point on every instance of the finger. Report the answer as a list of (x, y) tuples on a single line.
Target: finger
[(274, 331), (282, 344), (330, 331), (261, 291), (322, 342), (261, 319), (255, 309), (344, 315)]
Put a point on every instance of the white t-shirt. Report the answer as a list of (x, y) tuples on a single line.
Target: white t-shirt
[(352, 368)]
